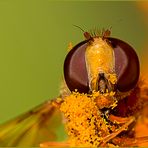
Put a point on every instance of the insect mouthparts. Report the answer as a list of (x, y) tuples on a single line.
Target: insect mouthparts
[(102, 86), (106, 85)]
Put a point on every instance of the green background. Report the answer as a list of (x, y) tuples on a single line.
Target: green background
[(34, 37)]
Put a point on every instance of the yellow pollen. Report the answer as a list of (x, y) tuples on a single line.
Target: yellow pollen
[(112, 78), (84, 123)]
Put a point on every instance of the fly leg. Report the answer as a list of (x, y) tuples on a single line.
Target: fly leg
[(118, 131), (119, 120), (124, 141)]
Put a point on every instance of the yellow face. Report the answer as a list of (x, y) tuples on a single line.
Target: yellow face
[(100, 59)]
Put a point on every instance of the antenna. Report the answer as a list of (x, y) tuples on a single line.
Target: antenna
[(85, 33), (79, 28)]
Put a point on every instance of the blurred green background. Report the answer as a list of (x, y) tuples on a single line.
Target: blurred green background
[(34, 37)]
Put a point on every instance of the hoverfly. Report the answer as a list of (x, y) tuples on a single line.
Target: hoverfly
[(102, 100)]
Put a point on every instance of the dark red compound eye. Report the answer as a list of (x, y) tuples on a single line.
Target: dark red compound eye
[(75, 72), (126, 66)]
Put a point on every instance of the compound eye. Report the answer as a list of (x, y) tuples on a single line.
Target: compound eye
[(126, 65), (75, 72)]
